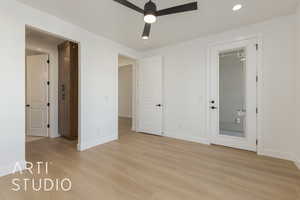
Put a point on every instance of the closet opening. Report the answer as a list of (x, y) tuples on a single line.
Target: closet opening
[(52, 89)]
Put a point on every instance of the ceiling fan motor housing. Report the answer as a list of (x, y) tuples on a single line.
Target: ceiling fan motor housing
[(150, 8)]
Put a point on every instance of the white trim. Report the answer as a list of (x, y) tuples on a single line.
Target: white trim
[(54, 136), (297, 164), (134, 96), (208, 86), (277, 154), (125, 65), (280, 155), (163, 96), (237, 39), (49, 98), (80, 98), (9, 169), (135, 126), (259, 93), (125, 116), (95, 143), (181, 136)]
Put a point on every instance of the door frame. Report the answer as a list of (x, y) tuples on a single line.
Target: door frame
[(135, 78), (259, 85)]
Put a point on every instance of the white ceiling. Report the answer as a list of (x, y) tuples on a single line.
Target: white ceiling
[(124, 61), (33, 34), (114, 21)]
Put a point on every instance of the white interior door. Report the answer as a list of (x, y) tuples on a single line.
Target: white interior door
[(150, 102), (233, 96), (37, 95)]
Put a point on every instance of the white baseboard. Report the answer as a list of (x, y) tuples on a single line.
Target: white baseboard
[(9, 169), (125, 116), (54, 136), (88, 145), (277, 154), (188, 138), (297, 164)]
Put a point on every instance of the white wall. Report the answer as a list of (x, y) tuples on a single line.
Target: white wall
[(98, 80), (297, 74), (185, 79), (125, 91), (44, 46)]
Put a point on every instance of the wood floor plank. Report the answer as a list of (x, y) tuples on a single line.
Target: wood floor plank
[(146, 167)]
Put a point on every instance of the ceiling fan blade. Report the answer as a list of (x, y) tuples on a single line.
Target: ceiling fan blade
[(146, 32), (178, 9), (130, 5)]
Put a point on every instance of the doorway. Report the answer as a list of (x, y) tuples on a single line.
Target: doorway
[(140, 95), (126, 95), (45, 59), (233, 94)]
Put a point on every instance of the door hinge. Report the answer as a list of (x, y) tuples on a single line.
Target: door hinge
[(48, 61), (256, 142), (48, 104), (48, 125), (256, 110), (257, 47), (256, 78)]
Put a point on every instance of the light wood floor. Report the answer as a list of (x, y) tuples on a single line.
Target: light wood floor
[(33, 138), (140, 166)]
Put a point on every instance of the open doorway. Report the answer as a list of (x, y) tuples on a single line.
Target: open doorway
[(140, 95), (126, 94), (51, 87)]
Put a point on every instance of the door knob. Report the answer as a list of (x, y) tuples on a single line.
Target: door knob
[(213, 107), (27, 105), (159, 105)]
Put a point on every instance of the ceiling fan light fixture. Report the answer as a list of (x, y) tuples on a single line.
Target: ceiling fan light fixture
[(146, 32), (150, 11), (150, 18)]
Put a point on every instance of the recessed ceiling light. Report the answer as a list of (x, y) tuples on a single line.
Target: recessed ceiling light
[(237, 7)]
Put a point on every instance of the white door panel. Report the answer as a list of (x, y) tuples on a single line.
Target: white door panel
[(37, 95), (233, 123), (150, 95)]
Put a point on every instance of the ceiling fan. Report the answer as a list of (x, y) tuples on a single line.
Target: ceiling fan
[(151, 13)]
